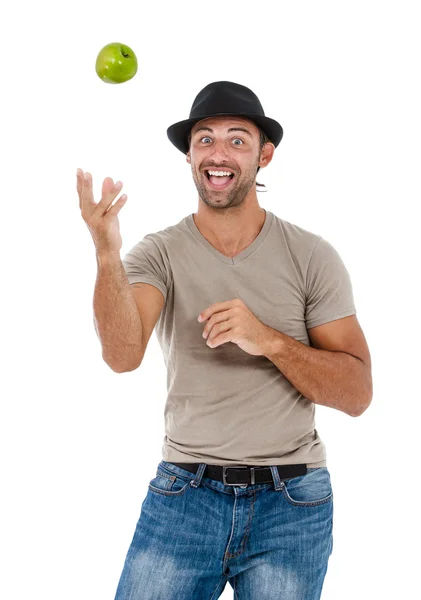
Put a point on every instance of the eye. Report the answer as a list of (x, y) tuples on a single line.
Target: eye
[(235, 140)]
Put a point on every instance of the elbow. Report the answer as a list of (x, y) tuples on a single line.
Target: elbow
[(116, 368), (357, 413), (119, 368), (364, 400), (132, 368), (125, 369), (362, 407)]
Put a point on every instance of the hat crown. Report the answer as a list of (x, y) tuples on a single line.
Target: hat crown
[(221, 97)]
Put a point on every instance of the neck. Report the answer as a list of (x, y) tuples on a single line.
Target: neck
[(230, 231)]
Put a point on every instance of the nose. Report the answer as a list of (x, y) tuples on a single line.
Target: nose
[(219, 153)]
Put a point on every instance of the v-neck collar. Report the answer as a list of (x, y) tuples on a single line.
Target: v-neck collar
[(244, 253)]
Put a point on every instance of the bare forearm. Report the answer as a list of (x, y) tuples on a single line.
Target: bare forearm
[(333, 379), (116, 316)]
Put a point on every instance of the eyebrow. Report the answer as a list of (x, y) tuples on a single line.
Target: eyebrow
[(230, 129)]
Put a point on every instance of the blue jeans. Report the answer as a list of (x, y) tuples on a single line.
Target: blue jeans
[(268, 540)]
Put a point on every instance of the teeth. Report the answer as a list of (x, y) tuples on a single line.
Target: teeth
[(219, 173)]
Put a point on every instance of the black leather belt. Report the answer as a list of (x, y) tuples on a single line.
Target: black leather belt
[(244, 474)]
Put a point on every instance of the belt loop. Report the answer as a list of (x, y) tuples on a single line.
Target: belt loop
[(276, 479), (252, 476), (198, 477)]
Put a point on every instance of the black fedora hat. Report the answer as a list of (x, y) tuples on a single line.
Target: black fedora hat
[(224, 98)]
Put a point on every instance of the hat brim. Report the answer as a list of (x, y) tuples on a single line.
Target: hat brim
[(178, 132)]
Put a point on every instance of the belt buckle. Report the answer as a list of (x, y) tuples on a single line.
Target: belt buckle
[(224, 474)]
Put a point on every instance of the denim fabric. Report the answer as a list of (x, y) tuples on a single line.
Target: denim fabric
[(194, 534)]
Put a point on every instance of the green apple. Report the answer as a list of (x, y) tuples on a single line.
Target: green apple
[(116, 63)]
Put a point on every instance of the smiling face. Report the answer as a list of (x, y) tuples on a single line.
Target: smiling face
[(226, 144)]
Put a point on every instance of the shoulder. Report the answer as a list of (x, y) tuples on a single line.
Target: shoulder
[(300, 242)]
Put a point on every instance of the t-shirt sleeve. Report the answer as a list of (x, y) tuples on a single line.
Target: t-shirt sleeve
[(147, 262), (329, 294)]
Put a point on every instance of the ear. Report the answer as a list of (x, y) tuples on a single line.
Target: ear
[(188, 157), (266, 154)]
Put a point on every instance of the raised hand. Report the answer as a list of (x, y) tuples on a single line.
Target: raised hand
[(101, 218)]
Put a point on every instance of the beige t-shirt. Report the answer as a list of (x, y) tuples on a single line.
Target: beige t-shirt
[(225, 406)]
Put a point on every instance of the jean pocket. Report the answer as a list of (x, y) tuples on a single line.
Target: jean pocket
[(312, 489), (168, 485)]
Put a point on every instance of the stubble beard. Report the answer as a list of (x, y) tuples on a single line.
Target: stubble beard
[(234, 196)]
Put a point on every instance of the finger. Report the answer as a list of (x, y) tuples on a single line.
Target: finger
[(115, 208), (79, 185), (107, 186), (80, 180), (109, 194), (86, 196)]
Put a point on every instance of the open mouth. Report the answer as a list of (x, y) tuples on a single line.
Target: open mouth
[(218, 182)]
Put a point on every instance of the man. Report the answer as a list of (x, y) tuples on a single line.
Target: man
[(256, 320)]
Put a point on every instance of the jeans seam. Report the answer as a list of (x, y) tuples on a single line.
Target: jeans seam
[(298, 503), (163, 493), (246, 534)]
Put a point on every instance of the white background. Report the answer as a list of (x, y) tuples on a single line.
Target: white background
[(79, 442)]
